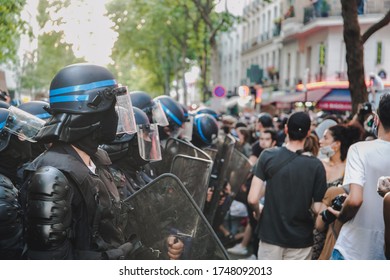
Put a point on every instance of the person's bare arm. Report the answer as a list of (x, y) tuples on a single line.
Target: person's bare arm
[(351, 204), (255, 194)]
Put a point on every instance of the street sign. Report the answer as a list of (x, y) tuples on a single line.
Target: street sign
[(219, 91)]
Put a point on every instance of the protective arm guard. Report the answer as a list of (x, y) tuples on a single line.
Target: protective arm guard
[(49, 215), (10, 221)]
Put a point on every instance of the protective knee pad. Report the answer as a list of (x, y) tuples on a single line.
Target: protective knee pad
[(49, 213)]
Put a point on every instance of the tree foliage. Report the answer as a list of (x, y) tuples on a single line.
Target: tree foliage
[(161, 38), (52, 53), (11, 27)]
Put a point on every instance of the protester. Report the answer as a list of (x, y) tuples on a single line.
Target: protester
[(334, 147), (362, 235), (296, 183)]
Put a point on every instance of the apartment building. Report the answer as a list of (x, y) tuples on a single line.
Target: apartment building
[(290, 42)]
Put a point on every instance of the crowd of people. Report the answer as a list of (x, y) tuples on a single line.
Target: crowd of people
[(291, 186)]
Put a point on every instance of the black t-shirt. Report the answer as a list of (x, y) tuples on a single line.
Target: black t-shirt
[(256, 149), (286, 219)]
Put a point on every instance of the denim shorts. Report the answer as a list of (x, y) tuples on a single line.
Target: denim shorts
[(336, 255)]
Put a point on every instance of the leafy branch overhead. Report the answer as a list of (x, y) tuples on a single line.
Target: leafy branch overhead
[(11, 27)]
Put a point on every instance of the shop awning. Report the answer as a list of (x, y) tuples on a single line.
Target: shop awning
[(311, 96), (337, 99)]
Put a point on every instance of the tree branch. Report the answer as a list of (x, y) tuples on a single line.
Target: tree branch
[(375, 27)]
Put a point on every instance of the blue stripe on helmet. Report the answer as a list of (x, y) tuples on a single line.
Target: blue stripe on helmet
[(69, 98), (171, 115), (43, 116), (2, 125), (89, 86), (201, 132)]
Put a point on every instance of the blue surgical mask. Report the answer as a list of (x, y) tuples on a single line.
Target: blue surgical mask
[(257, 133)]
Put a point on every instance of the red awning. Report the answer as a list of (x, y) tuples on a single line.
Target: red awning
[(311, 96)]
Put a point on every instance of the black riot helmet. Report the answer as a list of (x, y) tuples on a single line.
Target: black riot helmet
[(82, 101), (206, 110), (205, 130), (36, 108), (175, 116), (82, 89), (153, 109)]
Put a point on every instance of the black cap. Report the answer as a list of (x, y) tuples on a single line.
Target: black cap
[(299, 124)]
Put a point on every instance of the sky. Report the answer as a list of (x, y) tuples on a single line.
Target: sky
[(89, 30), (86, 28)]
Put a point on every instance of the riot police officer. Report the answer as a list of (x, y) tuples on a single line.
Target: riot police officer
[(16, 130), (205, 130), (152, 108), (175, 116), (73, 206), (128, 156), (129, 153)]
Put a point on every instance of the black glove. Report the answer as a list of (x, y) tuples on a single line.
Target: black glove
[(119, 253)]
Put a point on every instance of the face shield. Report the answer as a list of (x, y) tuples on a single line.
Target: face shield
[(23, 124), (186, 132), (149, 142), (124, 109), (158, 114)]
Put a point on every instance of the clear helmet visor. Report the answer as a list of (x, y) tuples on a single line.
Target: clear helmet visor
[(158, 114), (126, 119), (23, 124), (149, 142), (186, 132)]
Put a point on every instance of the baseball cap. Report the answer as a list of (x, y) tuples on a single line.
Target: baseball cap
[(299, 124)]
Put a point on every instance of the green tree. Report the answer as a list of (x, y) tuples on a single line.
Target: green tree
[(52, 53), (162, 38), (11, 27), (213, 23), (145, 44)]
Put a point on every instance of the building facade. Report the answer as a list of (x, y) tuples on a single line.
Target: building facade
[(289, 42)]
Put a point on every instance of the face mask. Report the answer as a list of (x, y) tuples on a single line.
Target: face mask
[(257, 133), (327, 151)]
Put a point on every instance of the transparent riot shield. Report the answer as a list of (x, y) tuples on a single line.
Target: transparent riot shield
[(238, 170), (164, 208), (219, 177), (194, 173), (175, 147), (211, 152)]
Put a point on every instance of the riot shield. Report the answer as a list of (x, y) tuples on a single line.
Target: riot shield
[(194, 173), (164, 208), (238, 170), (219, 177), (175, 147), (211, 152)]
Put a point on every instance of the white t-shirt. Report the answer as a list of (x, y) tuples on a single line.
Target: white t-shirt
[(362, 238)]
